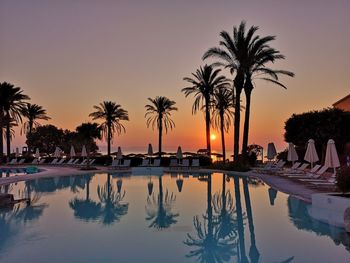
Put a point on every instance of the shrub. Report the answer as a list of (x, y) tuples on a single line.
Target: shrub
[(343, 179)]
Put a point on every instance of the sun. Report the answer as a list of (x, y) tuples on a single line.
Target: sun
[(213, 137)]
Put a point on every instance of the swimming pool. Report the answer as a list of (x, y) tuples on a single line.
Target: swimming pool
[(169, 218)]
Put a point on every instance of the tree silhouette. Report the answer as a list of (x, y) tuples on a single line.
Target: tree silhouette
[(158, 115), (203, 84), (32, 112), (11, 103), (222, 113), (112, 114)]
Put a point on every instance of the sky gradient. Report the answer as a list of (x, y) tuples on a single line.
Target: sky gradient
[(70, 55)]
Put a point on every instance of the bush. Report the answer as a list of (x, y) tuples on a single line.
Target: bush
[(231, 166), (343, 179)]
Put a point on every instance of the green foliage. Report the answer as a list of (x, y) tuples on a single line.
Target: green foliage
[(321, 126), (343, 179), (87, 133)]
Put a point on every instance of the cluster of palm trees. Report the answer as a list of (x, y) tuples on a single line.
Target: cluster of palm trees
[(247, 56), (14, 106)]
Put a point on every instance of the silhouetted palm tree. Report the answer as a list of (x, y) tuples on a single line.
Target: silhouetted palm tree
[(11, 104), (112, 114), (259, 54), (232, 53), (112, 208), (222, 113), (159, 208), (209, 244), (158, 115), (204, 82), (32, 112), (87, 133)]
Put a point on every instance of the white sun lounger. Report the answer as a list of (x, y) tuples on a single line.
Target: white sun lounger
[(60, 162), (185, 163), (314, 177), (42, 161), (54, 161), (300, 170), (145, 162), (21, 161), (195, 163), (309, 173), (125, 164), (173, 163), (35, 161), (71, 161)]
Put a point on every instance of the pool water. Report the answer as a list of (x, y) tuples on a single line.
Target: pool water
[(8, 172), (169, 218)]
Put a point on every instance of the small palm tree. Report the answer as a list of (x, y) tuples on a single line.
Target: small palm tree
[(112, 114), (222, 113), (158, 115), (32, 112), (203, 83), (11, 104)]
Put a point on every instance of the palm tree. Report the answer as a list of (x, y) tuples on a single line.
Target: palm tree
[(222, 113), (12, 102), (32, 112), (203, 83), (232, 53), (87, 133), (158, 115), (259, 54), (112, 114)]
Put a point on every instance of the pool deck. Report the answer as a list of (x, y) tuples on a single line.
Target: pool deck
[(285, 185)]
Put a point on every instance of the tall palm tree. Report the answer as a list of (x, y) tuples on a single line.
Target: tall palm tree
[(158, 115), (259, 54), (112, 114), (203, 83), (11, 101), (222, 113), (232, 53), (32, 112)]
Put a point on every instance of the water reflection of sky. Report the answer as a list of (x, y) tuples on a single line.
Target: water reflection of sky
[(172, 218)]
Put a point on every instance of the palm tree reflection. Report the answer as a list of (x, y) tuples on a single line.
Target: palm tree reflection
[(213, 242), (112, 208), (159, 208), (86, 209)]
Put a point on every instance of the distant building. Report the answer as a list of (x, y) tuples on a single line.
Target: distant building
[(343, 104)]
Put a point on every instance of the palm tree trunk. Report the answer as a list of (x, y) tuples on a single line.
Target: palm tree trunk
[(237, 124), (1, 143), (28, 136), (8, 138), (160, 136), (207, 124), (210, 208), (248, 93), (109, 140), (222, 130)]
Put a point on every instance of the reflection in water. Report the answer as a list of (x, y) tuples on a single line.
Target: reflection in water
[(210, 243), (112, 208), (159, 208), (86, 209), (298, 213)]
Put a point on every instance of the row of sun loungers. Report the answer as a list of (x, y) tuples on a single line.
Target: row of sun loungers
[(299, 172)]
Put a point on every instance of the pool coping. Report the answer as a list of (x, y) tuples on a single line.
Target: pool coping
[(284, 185)]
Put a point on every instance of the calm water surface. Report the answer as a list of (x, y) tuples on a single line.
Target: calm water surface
[(169, 218)]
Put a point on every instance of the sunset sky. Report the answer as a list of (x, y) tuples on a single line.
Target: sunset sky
[(70, 55)]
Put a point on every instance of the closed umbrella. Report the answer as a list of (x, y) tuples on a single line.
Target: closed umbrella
[(57, 152), (150, 152), (119, 155), (179, 153), (271, 151), (311, 153), (332, 159), (17, 152), (83, 152), (179, 183), (72, 152), (292, 153)]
